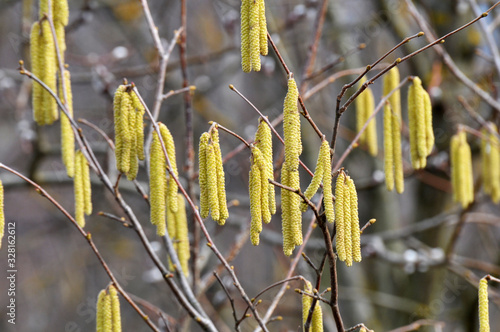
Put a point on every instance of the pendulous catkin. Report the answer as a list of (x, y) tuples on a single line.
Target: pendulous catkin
[(2, 214), (263, 141), (172, 187), (178, 231), (290, 202), (129, 131), (115, 309), (67, 134), (365, 105), (347, 220), (484, 320), (461, 170), (253, 34), (255, 200), (420, 124), (490, 161), (157, 185), (101, 315), (393, 161), (317, 316), (211, 177), (82, 188)]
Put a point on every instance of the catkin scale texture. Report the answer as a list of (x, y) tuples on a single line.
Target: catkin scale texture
[(255, 203), (172, 187), (182, 234), (255, 34), (157, 185), (327, 181), (245, 36), (484, 320), (202, 178), (213, 197), (37, 101), (263, 140), (79, 190), (115, 309), (48, 69), (221, 182), (67, 135), (339, 217)]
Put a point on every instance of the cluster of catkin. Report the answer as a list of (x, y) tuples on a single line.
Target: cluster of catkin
[(461, 169), (420, 124), (253, 34), (291, 214), (490, 161), (211, 177), (365, 105), (2, 215), (484, 320), (108, 317), (323, 172), (82, 188), (129, 130), (44, 57), (393, 159), (347, 220), (162, 190), (262, 198), (177, 227), (317, 316)]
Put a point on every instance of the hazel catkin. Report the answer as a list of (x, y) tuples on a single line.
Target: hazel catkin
[(202, 175), (221, 182), (317, 316), (115, 309), (67, 134), (182, 234), (484, 320), (157, 185), (461, 169), (172, 187), (263, 140), (365, 106)]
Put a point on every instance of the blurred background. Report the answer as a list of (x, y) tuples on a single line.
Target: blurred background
[(403, 276)]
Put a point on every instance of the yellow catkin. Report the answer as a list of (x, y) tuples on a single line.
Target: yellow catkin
[(327, 181), (171, 228), (317, 319), (202, 177), (134, 162), (264, 191), (429, 132), (484, 320), (371, 130), (35, 43), (182, 231), (100, 311), (263, 28), (43, 8), (316, 180), (245, 36), (355, 231), (157, 185), (255, 203), (388, 146), (294, 206), (263, 140), (79, 190), (123, 136), (416, 116), (67, 134), (213, 196), (306, 302), (455, 167), (398, 154), (115, 309), (347, 222), (107, 314), (2, 214), (461, 169), (288, 245), (47, 73), (339, 216), (490, 162), (495, 169), (317, 316), (221, 182), (291, 127), (172, 187), (485, 161), (61, 40), (361, 111), (467, 175), (87, 189), (60, 12), (139, 125), (254, 34)]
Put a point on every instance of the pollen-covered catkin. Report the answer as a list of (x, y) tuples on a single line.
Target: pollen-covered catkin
[(107, 314), (294, 206), (255, 203), (60, 11), (182, 234), (202, 175), (157, 185), (355, 232), (79, 190), (213, 196), (339, 216), (122, 110), (115, 309), (490, 162), (347, 222), (100, 311), (461, 169), (47, 73), (484, 320), (262, 28), (315, 182), (365, 105), (35, 44), (255, 34), (317, 316), (172, 187), (291, 127), (221, 182), (67, 134), (245, 36), (134, 162), (2, 214), (139, 125), (87, 189), (429, 133), (392, 133), (327, 181), (263, 140), (288, 245)]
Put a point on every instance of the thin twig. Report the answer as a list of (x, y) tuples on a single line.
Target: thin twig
[(231, 301), (121, 220)]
